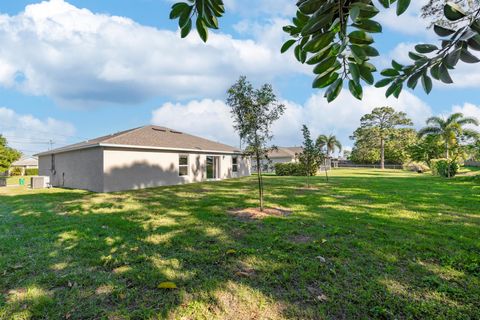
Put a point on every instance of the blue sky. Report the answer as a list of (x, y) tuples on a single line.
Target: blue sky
[(73, 70)]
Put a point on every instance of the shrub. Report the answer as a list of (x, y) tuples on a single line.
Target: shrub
[(16, 171), (419, 167), (31, 172), (444, 167), (289, 169)]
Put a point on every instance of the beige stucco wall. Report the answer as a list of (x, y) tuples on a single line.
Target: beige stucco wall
[(117, 169), (126, 169), (79, 169)]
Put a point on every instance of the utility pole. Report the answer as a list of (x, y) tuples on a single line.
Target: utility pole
[(51, 144)]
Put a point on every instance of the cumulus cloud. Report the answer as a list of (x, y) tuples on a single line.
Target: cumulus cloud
[(79, 57), (30, 134), (409, 23), (211, 118)]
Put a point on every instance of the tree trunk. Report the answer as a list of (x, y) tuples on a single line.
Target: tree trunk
[(260, 181), (446, 150), (382, 153), (325, 166)]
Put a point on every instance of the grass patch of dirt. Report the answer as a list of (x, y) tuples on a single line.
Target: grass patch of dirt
[(257, 214)]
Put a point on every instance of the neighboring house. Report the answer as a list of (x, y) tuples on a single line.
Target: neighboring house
[(280, 155), (25, 163), (143, 157)]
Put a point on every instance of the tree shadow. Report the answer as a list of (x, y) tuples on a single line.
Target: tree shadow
[(92, 255)]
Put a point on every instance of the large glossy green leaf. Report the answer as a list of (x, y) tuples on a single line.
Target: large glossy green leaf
[(319, 41), (435, 71), (444, 75), (413, 80), (324, 65), (186, 29), (442, 31), (476, 25), (334, 90), (320, 55), (354, 72), (426, 83), (310, 6), (287, 45), (358, 53), (425, 48), (467, 57), (453, 57), (202, 29), (355, 89), (453, 11), (360, 37), (474, 42), (177, 9), (396, 65), (325, 80), (402, 6), (370, 51), (366, 74), (389, 72), (368, 25), (384, 82)]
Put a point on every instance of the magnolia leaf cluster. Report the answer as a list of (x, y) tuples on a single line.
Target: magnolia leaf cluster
[(336, 37)]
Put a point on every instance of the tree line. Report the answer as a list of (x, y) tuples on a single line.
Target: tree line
[(386, 135)]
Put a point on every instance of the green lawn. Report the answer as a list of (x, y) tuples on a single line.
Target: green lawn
[(368, 244)]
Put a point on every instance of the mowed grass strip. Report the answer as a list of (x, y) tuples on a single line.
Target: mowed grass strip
[(367, 244)]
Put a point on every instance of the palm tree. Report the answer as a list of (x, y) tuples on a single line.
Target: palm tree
[(450, 130), (329, 142)]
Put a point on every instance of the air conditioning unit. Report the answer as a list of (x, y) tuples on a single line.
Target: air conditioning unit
[(40, 182)]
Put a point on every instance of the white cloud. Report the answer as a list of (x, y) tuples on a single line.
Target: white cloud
[(211, 118), (30, 134), (410, 22), (468, 110), (207, 118), (76, 56)]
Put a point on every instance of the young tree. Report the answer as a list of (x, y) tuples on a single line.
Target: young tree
[(254, 111), (335, 37), (450, 130), (7, 155), (311, 156), (377, 126)]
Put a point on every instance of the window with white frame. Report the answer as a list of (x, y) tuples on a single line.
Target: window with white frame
[(182, 164), (235, 164)]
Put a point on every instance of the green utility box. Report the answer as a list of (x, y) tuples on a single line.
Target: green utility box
[(21, 181)]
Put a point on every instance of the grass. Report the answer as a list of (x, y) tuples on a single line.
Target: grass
[(368, 244)]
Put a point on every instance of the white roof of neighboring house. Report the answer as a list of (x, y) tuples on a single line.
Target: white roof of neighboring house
[(150, 137), (285, 152), (26, 161)]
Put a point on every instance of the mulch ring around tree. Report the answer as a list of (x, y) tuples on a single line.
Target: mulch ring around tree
[(256, 214)]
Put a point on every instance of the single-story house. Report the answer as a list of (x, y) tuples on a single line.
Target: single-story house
[(279, 155), (143, 157), (25, 163)]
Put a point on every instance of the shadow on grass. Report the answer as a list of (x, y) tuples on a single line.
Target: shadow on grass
[(372, 248)]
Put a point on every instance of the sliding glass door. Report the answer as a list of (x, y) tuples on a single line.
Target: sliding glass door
[(212, 167)]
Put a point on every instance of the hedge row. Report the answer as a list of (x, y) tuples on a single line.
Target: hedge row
[(289, 169)]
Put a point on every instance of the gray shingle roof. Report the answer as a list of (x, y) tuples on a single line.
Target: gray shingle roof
[(153, 137), (285, 152)]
